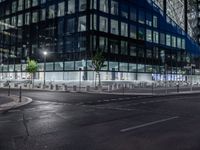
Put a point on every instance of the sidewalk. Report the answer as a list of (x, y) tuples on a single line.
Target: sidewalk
[(12, 102)]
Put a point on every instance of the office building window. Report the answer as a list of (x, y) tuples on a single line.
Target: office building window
[(43, 14), (183, 44), (113, 66), (133, 50), (14, 6), (93, 4), (173, 41), (104, 6), (155, 21), (71, 6), (133, 32), (42, 1), (27, 4), (141, 16), (93, 22), (20, 20), (124, 29), (148, 19), (27, 18), (168, 40), (13, 21), (141, 33), (61, 9), (124, 10), (114, 7), (124, 47), (132, 67), (71, 25), (179, 43), (133, 14), (123, 66), (82, 23), (20, 5), (35, 17), (103, 24), (34, 3), (155, 37), (82, 5), (162, 38), (114, 46), (51, 12), (148, 35), (82, 43), (149, 53), (141, 52), (114, 27), (103, 44)]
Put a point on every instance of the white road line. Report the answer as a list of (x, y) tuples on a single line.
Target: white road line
[(148, 124)]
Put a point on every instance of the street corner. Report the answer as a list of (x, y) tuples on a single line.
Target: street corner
[(13, 102)]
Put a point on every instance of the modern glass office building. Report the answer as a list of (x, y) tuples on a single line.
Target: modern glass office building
[(140, 39)]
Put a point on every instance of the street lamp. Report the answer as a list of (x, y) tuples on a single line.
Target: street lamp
[(45, 56)]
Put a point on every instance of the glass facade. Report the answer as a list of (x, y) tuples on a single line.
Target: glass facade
[(131, 36)]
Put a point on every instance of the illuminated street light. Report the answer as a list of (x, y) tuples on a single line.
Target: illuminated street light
[(45, 56)]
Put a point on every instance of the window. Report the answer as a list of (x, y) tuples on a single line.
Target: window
[(42, 1), (82, 23), (82, 5), (27, 18), (123, 66), (149, 53), (124, 11), (93, 22), (155, 37), (13, 21), (71, 25), (103, 24), (133, 32), (148, 35), (141, 52), (14, 6), (132, 67), (162, 38), (173, 41), (51, 11), (113, 66), (104, 5), (27, 4), (82, 43), (141, 33), (35, 17), (69, 65), (133, 14), (124, 47), (148, 19), (61, 9), (103, 44), (114, 7), (20, 5), (179, 42), (34, 3), (168, 40), (71, 6), (141, 16), (114, 27), (124, 29), (43, 14), (133, 50), (155, 21), (93, 4), (183, 44), (20, 20), (114, 47)]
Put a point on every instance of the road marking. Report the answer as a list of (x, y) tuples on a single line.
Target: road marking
[(148, 124)]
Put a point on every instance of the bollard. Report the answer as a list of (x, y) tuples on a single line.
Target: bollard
[(64, 87), (152, 88), (87, 88), (9, 90), (109, 88), (20, 94), (74, 88), (177, 88)]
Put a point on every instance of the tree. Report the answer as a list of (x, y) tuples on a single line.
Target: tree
[(98, 63), (31, 68)]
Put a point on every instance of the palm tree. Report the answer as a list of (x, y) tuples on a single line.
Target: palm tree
[(98, 63)]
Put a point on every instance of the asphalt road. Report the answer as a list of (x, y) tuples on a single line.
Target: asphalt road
[(74, 121)]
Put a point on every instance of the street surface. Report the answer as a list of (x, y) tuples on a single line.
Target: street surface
[(81, 121)]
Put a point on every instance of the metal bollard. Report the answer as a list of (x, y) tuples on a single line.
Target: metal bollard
[(20, 94), (9, 90)]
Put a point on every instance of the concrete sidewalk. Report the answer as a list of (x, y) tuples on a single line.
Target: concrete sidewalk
[(12, 102)]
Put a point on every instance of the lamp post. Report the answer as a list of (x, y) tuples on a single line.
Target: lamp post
[(45, 56)]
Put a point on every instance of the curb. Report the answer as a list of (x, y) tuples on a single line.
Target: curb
[(15, 103)]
